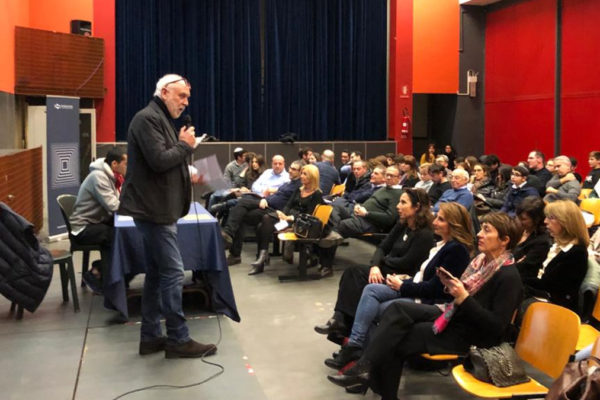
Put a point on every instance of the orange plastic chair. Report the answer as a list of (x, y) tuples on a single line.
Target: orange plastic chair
[(322, 212), (547, 339), (587, 333), (593, 207), (338, 190), (584, 194)]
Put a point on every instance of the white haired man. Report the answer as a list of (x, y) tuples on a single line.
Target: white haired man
[(459, 193)]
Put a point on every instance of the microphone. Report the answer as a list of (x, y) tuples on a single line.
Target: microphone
[(187, 121)]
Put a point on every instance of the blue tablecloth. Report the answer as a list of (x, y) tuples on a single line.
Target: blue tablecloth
[(201, 247)]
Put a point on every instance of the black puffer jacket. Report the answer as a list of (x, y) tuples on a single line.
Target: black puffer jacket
[(25, 266)]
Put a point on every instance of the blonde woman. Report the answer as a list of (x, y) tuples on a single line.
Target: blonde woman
[(303, 201), (561, 274)]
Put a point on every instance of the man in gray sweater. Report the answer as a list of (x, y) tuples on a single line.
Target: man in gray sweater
[(563, 185), (97, 201)]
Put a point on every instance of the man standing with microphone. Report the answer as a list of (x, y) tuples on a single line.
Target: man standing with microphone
[(156, 193)]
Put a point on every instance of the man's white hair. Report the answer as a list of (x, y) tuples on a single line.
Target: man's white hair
[(461, 172), (564, 160), (165, 80)]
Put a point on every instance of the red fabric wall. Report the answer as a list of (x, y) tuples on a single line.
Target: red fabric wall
[(580, 96), (519, 80)]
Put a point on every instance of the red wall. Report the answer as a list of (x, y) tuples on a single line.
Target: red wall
[(104, 27), (580, 97), (519, 79), (400, 71)]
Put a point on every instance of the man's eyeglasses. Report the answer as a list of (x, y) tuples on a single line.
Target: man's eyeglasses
[(516, 174), (294, 169), (391, 176)]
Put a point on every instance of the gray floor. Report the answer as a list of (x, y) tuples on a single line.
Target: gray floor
[(272, 354)]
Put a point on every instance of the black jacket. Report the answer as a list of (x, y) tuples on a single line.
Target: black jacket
[(157, 186), (562, 278), (454, 257), (403, 250), (25, 266), (530, 254)]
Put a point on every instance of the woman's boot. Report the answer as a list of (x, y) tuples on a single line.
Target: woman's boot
[(258, 266)]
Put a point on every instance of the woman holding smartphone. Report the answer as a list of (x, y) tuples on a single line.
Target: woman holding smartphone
[(453, 225), (485, 298)]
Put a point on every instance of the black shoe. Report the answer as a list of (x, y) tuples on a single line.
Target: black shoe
[(217, 208), (257, 270), (233, 260), (331, 326), (359, 388), (227, 240), (92, 281), (357, 375), (347, 354), (153, 346), (189, 349), (337, 338)]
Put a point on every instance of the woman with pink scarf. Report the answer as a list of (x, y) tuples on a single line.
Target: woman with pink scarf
[(485, 298)]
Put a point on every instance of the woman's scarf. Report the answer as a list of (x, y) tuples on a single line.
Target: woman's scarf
[(475, 276)]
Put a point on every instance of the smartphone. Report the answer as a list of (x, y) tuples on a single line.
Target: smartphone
[(445, 273)]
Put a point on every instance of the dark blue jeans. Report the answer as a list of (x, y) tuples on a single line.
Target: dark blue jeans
[(163, 284)]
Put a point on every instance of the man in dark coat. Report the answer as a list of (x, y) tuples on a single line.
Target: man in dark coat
[(156, 193), (328, 175)]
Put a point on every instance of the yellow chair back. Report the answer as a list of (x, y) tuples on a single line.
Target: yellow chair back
[(548, 337), (593, 207)]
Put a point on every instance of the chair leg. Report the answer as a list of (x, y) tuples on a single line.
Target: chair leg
[(85, 265), (71, 275), (64, 281), (19, 311), (13, 305)]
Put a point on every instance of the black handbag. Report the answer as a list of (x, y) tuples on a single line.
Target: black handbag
[(307, 226), (498, 365)]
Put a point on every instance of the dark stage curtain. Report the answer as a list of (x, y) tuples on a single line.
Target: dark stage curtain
[(213, 43), (325, 73), (324, 65)]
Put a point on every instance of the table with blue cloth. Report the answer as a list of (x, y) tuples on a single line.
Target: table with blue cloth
[(201, 247)]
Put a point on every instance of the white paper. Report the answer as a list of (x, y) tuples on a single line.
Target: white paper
[(281, 225), (211, 173)]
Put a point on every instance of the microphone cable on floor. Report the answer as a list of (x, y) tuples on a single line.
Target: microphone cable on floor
[(174, 387)]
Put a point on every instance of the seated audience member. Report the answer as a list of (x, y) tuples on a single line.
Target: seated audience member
[(92, 217), (493, 163), (425, 181), (451, 154), (573, 168), (314, 157), (408, 167), (231, 175), (351, 179), (496, 198), (429, 156), (560, 276), (304, 155), (471, 162), (378, 212), (362, 190), (242, 182), (453, 225), (485, 298), (459, 193), (442, 160), (303, 201), (535, 164), (563, 185), (592, 178), (328, 175), (482, 183), (520, 189), (535, 242), (251, 206), (391, 159), (401, 252), (346, 168), (550, 166), (440, 182)]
